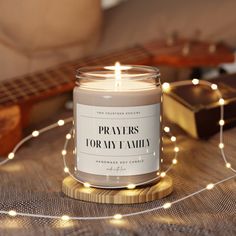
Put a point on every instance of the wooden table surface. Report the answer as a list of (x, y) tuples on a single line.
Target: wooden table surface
[(32, 183)]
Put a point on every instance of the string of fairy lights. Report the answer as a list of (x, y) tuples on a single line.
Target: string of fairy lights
[(166, 88), (131, 185)]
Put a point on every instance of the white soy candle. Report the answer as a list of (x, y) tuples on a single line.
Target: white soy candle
[(117, 114)]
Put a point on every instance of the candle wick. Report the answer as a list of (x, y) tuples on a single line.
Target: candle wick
[(117, 71), (117, 74)]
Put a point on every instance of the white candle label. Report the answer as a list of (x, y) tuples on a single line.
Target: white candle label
[(118, 141)]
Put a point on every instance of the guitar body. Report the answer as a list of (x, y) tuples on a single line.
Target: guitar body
[(10, 128), (13, 119)]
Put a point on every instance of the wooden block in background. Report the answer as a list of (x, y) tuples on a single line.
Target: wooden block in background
[(76, 190)]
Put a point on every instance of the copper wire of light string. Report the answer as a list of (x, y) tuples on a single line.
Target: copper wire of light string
[(117, 187), (166, 205)]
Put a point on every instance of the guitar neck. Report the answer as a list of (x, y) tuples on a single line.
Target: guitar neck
[(40, 85), (51, 82)]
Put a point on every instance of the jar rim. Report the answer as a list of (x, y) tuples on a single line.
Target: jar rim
[(127, 72)]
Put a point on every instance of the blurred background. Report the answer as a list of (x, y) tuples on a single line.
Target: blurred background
[(35, 35)]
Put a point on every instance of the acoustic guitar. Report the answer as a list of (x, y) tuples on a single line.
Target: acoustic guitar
[(18, 95)]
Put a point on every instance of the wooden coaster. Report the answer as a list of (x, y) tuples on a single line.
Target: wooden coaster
[(76, 190)]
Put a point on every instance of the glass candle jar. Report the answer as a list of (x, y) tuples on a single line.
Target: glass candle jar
[(117, 117)]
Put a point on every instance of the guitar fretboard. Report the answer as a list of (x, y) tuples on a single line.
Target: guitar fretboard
[(61, 78)]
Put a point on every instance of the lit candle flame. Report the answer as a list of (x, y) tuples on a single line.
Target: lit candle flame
[(117, 68), (117, 75), (117, 71)]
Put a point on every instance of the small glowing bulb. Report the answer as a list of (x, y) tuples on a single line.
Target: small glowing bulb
[(210, 186), (173, 138), (158, 173), (167, 129), (163, 174), (167, 205), (221, 122), (35, 133), (61, 122), (87, 185), (117, 216), (11, 155), (66, 169), (228, 165), (63, 152), (214, 87), (65, 217), (176, 149), (68, 136), (221, 145), (174, 161), (131, 186), (12, 213), (166, 87), (195, 81), (221, 101)]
